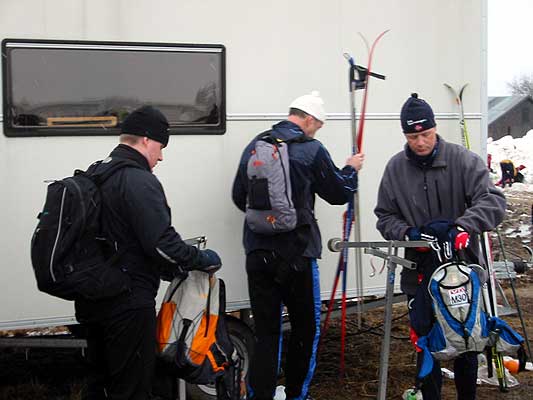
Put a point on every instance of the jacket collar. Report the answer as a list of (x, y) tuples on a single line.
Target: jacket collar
[(129, 153), (435, 160), (286, 130)]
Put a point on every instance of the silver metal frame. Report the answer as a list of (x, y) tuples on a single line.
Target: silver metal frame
[(392, 260)]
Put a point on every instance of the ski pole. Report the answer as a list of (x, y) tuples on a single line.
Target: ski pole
[(358, 79), (489, 295), (511, 280), (347, 226), (355, 84), (500, 368), (341, 269)]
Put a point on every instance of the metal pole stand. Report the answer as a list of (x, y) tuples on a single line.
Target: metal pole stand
[(392, 260), (182, 389)]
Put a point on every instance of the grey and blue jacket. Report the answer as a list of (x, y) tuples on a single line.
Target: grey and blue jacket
[(312, 173), (455, 186)]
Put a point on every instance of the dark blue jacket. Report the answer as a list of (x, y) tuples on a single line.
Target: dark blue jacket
[(312, 172)]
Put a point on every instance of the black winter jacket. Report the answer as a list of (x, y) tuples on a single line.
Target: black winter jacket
[(136, 215)]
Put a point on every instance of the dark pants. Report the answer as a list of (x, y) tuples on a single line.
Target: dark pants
[(464, 367), (507, 173), (272, 283), (121, 355), (465, 373)]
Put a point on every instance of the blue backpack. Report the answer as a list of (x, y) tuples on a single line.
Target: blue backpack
[(460, 324)]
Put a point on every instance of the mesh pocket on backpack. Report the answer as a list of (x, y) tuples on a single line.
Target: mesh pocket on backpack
[(258, 196)]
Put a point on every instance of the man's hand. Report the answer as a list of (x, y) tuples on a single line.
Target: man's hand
[(438, 229), (459, 237), (356, 161), (415, 234), (446, 231), (208, 261)]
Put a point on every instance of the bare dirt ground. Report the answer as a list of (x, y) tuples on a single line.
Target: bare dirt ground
[(59, 374)]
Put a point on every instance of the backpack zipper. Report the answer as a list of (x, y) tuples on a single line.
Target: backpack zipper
[(58, 234), (208, 310), (284, 172)]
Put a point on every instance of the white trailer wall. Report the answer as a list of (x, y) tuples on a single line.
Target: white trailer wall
[(276, 51)]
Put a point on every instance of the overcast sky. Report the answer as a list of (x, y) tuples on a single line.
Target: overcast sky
[(510, 52)]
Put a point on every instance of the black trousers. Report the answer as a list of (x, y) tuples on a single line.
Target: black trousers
[(464, 368), (121, 355), (465, 376), (272, 283)]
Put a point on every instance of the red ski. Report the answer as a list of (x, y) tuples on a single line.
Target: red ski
[(358, 79)]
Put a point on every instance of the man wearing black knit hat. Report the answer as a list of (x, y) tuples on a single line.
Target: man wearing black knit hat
[(435, 189), (136, 222)]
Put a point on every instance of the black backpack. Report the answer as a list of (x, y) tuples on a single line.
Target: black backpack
[(71, 257)]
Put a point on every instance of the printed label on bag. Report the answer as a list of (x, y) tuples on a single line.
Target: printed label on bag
[(458, 297)]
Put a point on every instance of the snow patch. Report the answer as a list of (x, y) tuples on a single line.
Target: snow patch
[(520, 152)]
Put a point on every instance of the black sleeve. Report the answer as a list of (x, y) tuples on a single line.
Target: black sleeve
[(239, 190), (149, 213), (240, 183)]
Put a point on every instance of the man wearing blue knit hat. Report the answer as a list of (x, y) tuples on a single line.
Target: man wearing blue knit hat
[(437, 189)]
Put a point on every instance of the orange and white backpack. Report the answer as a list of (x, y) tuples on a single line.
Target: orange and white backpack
[(192, 334)]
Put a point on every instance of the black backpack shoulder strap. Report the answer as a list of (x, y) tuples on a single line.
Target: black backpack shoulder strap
[(266, 136), (102, 170), (272, 135), (301, 139)]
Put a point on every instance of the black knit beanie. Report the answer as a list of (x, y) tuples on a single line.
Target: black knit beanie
[(147, 121), (416, 115)]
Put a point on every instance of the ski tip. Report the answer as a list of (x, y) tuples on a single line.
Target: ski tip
[(462, 90), (365, 41)]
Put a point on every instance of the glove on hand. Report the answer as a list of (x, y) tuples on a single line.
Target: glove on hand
[(415, 234), (459, 237), (209, 260), (438, 229)]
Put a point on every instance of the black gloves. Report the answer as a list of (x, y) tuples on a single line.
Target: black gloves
[(442, 231), (208, 261)]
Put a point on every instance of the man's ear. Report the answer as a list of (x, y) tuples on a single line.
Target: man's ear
[(308, 120)]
